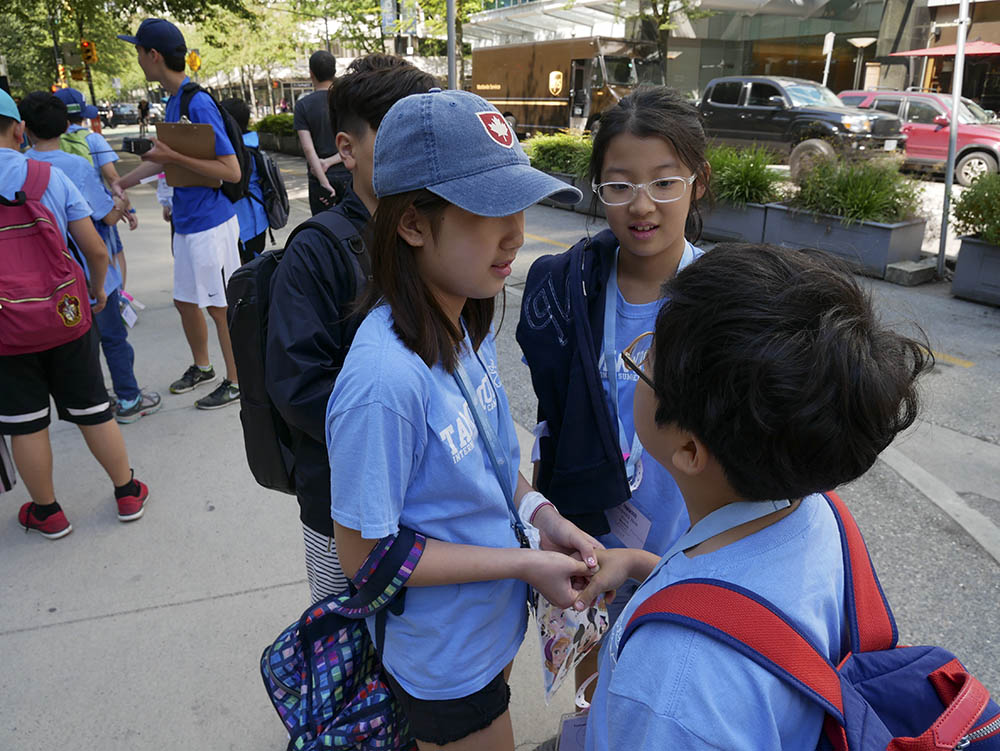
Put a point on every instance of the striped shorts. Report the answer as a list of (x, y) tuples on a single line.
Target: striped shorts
[(322, 565)]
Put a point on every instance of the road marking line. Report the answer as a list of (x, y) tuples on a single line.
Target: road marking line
[(951, 359), (979, 526), (546, 240)]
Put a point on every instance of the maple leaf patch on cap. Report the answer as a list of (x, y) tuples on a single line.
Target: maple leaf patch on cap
[(497, 128)]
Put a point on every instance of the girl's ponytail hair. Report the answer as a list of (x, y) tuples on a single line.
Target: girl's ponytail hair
[(418, 319), (658, 111)]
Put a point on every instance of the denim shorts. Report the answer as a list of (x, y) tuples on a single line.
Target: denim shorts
[(450, 720)]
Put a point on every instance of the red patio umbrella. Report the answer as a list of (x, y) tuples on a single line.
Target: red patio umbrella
[(949, 50)]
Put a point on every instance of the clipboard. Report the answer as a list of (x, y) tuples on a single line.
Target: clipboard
[(191, 139)]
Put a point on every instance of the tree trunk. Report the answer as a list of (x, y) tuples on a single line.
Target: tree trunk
[(270, 92), (253, 96), (663, 42), (459, 57)]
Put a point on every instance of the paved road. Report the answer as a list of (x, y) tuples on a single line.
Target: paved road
[(146, 636)]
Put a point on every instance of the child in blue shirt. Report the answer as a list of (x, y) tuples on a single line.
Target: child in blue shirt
[(249, 210), (405, 448), (46, 120), (767, 379), (69, 373), (648, 169)]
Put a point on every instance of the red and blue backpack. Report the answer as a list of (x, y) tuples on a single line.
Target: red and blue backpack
[(323, 673), (881, 695)]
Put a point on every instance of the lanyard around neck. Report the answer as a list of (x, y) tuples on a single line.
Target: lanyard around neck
[(497, 454), (722, 520), (630, 453)]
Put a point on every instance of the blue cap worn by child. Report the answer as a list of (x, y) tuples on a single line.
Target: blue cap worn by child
[(7, 107), (157, 34), (458, 146), (73, 100)]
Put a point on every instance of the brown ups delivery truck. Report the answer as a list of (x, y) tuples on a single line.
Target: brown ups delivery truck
[(561, 83)]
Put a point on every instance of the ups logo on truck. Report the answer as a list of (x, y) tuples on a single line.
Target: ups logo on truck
[(556, 82)]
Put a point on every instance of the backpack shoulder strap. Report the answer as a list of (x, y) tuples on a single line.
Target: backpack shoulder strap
[(869, 618), (37, 181), (752, 626), (187, 92), (339, 230)]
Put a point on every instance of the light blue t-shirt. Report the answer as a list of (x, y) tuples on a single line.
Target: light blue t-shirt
[(405, 450), (674, 687), (81, 172), (657, 500), (102, 153), (250, 211), (61, 197), (198, 209)]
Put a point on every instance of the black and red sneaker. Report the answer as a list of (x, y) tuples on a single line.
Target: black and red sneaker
[(53, 526), (132, 505)]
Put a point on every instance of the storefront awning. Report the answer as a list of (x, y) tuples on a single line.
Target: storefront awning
[(949, 50)]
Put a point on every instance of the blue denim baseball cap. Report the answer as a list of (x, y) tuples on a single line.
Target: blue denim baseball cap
[(73, 100), (157, 34), (458, 146), (7, 107)]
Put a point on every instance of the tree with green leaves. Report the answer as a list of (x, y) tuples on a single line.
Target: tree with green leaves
[(436, 22), (667, 16), (356, 23)]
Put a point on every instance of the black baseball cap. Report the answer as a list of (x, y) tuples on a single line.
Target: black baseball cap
[(157, 34)]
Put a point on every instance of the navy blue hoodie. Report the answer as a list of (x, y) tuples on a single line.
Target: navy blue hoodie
[(581, 469)]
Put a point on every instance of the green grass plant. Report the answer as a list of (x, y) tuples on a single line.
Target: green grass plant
[(977, 210), (568, 153), (863, 190), (742, 176), (279, 125)]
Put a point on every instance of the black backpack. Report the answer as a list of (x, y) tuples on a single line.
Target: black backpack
[(266, 435), (233, 191), (272, 187)]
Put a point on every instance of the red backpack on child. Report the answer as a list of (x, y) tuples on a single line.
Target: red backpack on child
[(43, 292), (880, 696)]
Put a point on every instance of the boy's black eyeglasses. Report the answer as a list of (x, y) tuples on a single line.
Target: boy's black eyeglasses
[(637, 366)]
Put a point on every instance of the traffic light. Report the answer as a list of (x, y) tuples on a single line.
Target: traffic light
[(88, 51)]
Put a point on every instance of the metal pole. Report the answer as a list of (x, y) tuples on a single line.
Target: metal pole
[(956, 103), (452, 67), (857, 68)]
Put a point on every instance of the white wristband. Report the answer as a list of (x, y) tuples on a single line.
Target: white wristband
[(530, 503)]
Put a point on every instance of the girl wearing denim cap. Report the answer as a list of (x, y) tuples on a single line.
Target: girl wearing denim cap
[(648, 169), (405, 448)]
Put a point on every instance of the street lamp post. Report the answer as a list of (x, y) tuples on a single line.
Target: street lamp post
[(860, 43)]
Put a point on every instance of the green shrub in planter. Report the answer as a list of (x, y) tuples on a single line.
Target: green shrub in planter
[(279, 125), (867, 190), (742, 176), (977, 210), (567, 153)]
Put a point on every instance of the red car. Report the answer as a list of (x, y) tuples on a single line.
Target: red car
[(926, 116)]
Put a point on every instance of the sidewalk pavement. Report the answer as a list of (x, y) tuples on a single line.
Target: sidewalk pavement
[(148, 635)]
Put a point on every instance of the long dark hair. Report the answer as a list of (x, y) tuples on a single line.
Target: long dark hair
[(418, 319), (658, 111)]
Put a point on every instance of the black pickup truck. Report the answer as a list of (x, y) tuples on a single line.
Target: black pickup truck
[(794, 117)]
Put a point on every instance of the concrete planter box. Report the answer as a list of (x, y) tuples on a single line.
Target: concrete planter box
[(268, 141), (868, 246), (589, 204), (566, 178), (290, 145), (731, 223), (977, 273)]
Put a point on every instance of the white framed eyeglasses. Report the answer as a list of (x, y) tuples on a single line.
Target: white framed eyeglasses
[(662, 190)]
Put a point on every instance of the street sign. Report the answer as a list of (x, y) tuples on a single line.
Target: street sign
[(194, 60), (71, 54), (828, 42)]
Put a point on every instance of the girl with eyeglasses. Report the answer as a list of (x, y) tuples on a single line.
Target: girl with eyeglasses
[(581, 309)]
